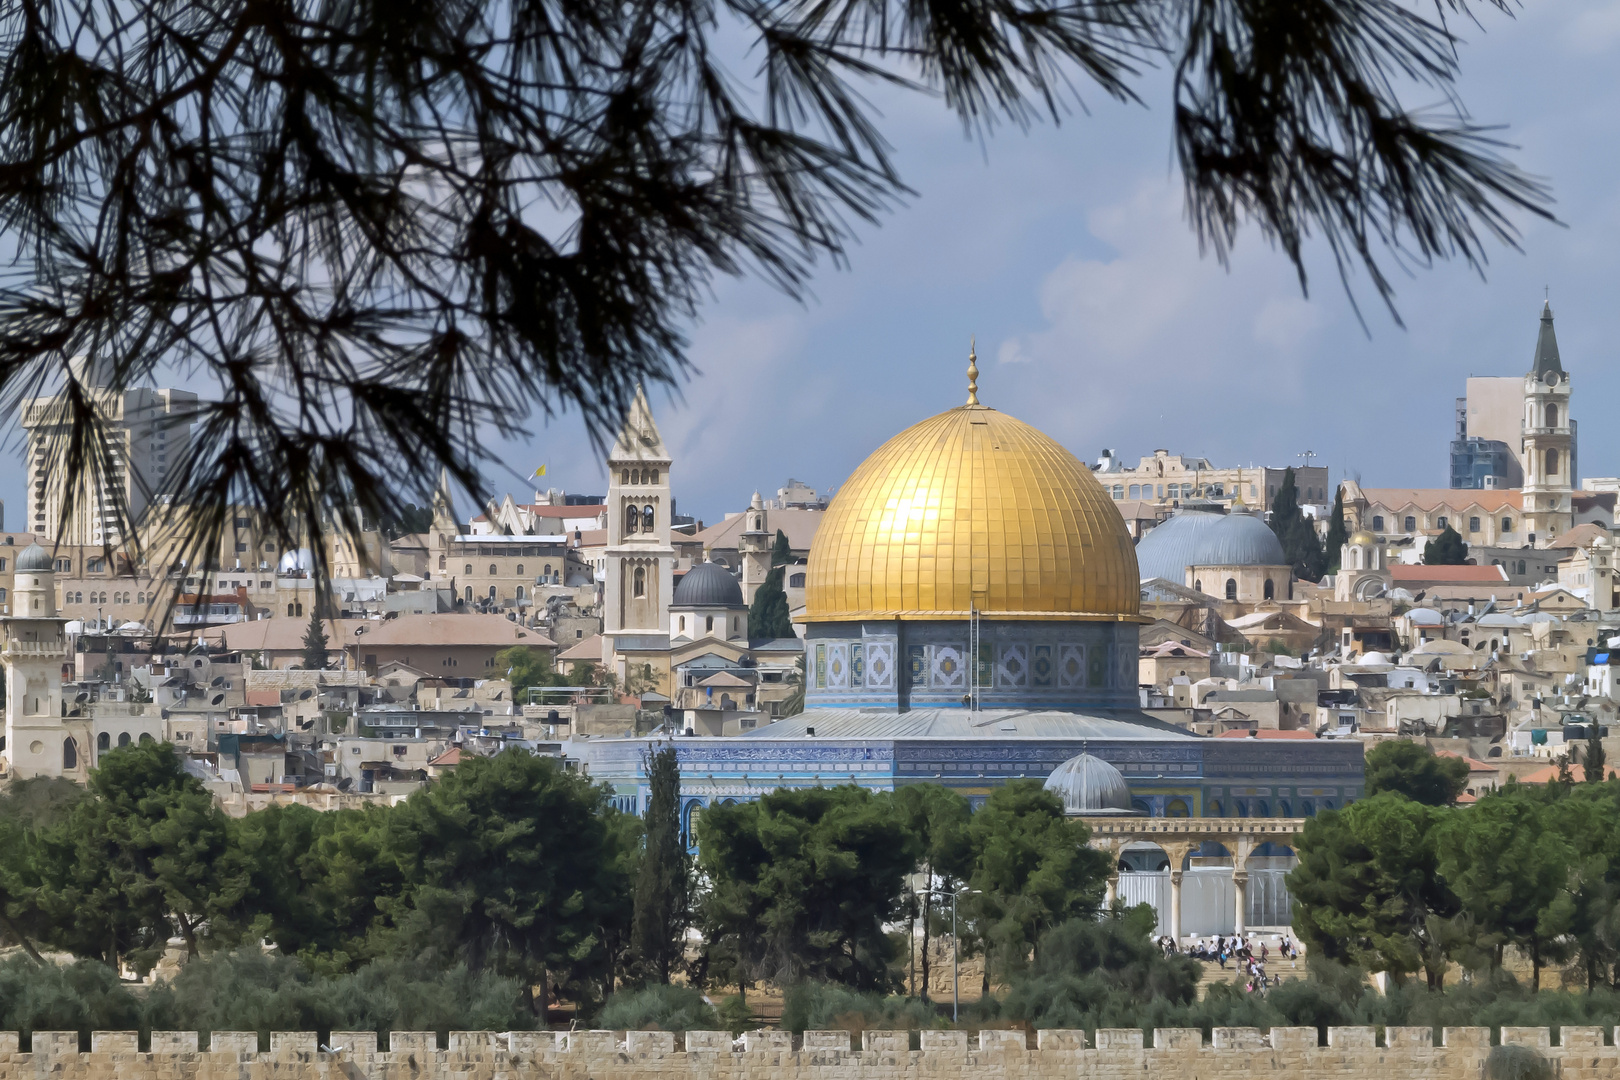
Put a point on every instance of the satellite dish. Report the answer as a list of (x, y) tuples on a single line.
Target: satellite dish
[(217, 680), (218, 698), (305, 695)]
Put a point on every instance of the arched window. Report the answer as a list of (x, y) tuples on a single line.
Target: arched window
[(103, 742), (520, 592), (655, 476), (1198, 586), (1271, 589), (1283, 809), (639, 588), (469, 594), (289, 610), (493, 570), (1378, 523), (683, 623), (1214, 809), (70, 754), (1136, 491), (1552, 461), (1176, 808), (146, 739), (708, 624), (123, 739), (1262, 809), (441, 562), (1552, 416), (647, 520), (736, 624), (1441, 524), (548, 571), (520, 569), (624, 477), (1231, 588), (1306, 808), (467, 569), (632, 519), (492, 592), (1411, 523), (1507, 524)]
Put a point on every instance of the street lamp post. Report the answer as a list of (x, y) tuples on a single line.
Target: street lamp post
[(956, 951)]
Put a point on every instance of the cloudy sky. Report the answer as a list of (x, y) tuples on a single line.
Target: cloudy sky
[(1065, 251)]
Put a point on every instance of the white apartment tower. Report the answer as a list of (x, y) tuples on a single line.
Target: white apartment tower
[(35, 648), (640, 560), (1548, 439), (148, 432)]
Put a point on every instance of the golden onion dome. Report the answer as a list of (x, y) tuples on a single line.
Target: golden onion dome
[(1363, 537), (972, 508)]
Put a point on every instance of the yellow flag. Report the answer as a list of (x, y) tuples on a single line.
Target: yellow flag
[(541, 471)]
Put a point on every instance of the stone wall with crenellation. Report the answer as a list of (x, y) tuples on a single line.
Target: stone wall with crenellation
[(1347, 1053)]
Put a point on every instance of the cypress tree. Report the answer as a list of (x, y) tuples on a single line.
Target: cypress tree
[(768, 615), (1337, 534), (1296, 533), (315, 644), (663, 885), (1593, 760)]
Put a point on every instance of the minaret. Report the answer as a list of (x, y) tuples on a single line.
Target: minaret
[(640, 560), (37, 742), (754, 547), (1548, 446)]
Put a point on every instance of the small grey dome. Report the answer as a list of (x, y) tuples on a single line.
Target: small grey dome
[(1195, 538), (708, 585), (35, 560), (1089, 785)]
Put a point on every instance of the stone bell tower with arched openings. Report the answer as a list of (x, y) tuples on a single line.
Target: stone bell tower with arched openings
[(35, 648), (1549, 442), (640, 560)]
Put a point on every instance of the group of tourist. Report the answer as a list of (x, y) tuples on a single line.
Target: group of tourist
[(1249, 956)]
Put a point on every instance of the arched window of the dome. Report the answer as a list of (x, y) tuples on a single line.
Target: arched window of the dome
[(1231, 588), (1270, 589)]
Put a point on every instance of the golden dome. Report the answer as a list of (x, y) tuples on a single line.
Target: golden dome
[(1363, 537), (972, 508)]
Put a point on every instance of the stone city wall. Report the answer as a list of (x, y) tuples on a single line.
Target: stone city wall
[(1351, 1053)]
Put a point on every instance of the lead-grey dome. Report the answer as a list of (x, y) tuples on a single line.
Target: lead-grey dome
[(35, 560), (1196, 538), (1089, 785), (708, 585)]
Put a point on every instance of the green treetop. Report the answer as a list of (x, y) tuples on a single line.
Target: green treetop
[(1447, 549)]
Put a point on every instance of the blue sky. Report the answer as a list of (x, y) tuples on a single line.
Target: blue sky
[(1065, 251)]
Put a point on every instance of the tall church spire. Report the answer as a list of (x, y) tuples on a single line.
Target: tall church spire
[(1546, 345)]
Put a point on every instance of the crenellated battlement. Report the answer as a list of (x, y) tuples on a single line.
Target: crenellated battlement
[(1348, 1053)]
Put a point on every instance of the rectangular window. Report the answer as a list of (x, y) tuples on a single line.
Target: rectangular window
[(1507, 524), (1473, 524)]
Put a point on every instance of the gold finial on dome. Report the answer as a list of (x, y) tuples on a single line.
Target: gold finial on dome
[(973, 370)]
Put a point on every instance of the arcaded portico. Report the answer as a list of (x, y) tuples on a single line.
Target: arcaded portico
[(1181, 837)]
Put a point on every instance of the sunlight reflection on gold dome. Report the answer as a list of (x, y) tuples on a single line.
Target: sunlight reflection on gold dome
[(972, 508)]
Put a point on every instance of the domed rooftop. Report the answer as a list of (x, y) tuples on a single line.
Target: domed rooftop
[(971, 508), (1197, 538), (1363, 538), (1089, 785), (708, 585), (35, 559)]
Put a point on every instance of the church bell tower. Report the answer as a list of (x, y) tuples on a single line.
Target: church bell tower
[(1548, 442), (37, 742), (640, 560)]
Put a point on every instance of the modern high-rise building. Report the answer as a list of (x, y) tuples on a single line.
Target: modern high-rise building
[(148, 432)]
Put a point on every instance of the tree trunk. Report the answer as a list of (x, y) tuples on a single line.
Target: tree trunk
[(1535, 968), (22, 939)]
